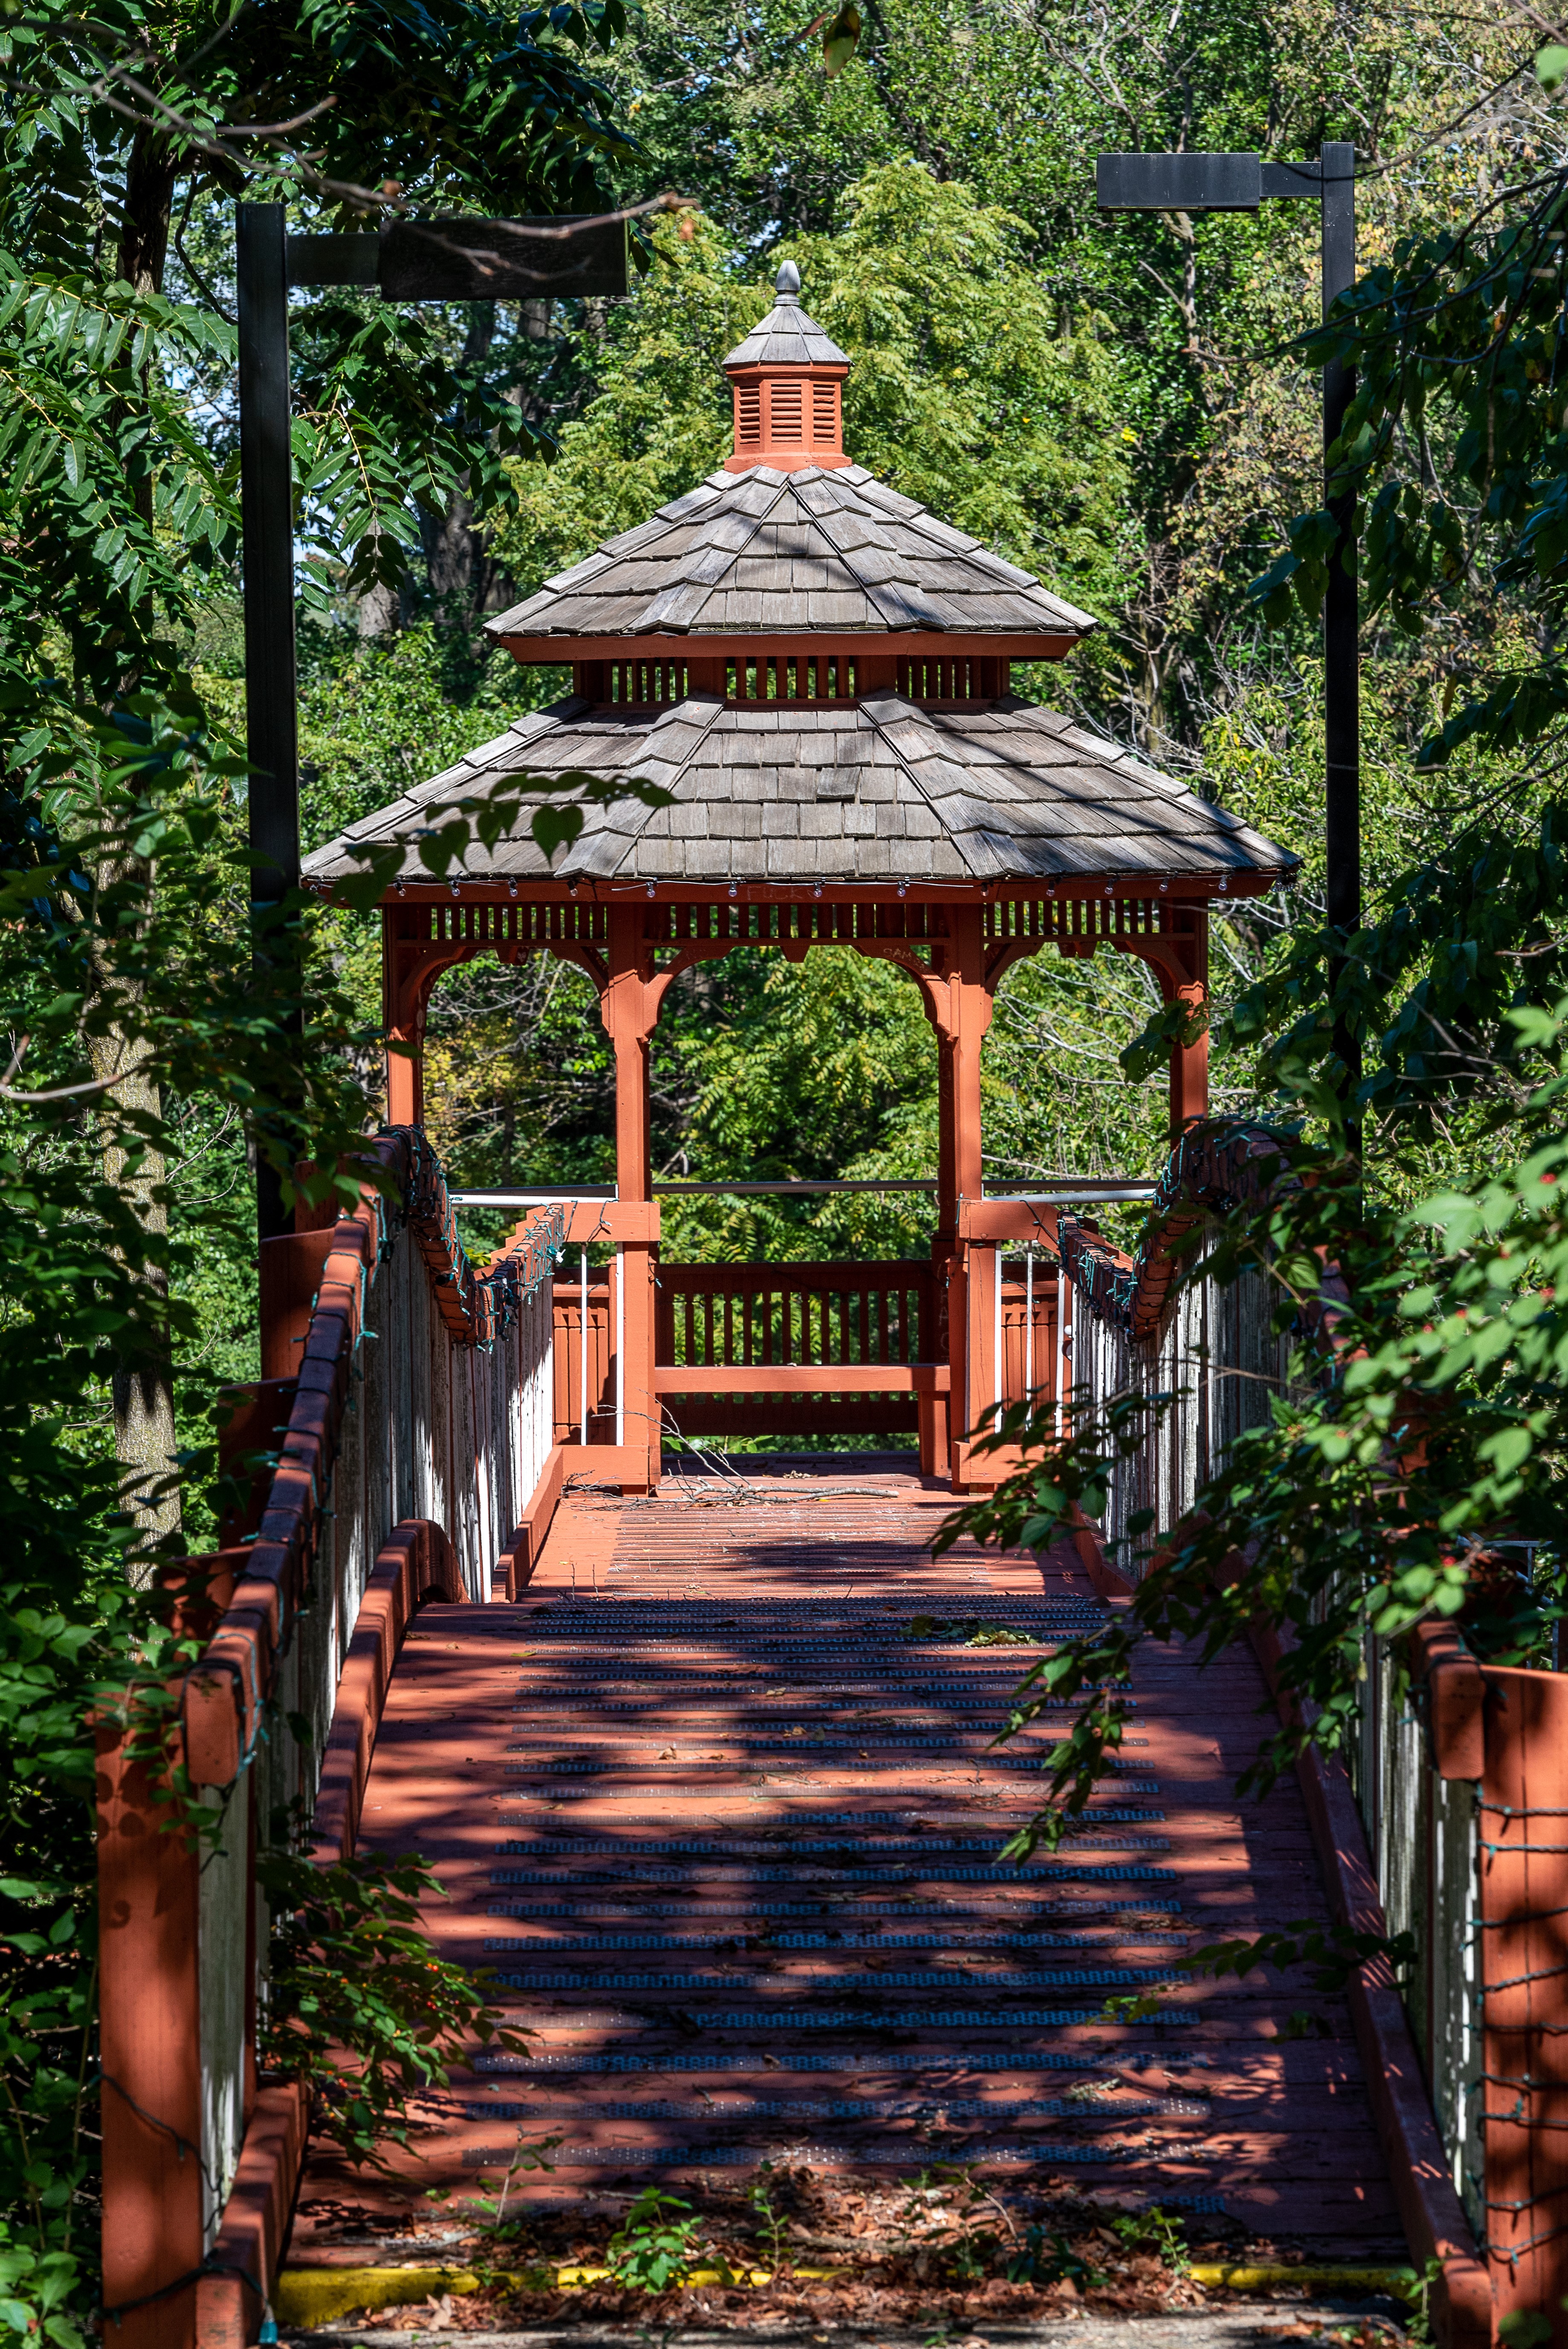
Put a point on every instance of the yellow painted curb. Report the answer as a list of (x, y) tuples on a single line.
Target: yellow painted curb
[(316, 2295), (1401, 2282)]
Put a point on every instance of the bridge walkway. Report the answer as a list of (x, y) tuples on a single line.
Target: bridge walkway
[(717, 1799)]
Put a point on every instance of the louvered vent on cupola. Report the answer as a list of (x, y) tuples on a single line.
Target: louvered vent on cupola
[(788, 380)]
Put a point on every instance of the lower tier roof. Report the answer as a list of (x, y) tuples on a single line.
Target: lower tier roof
[(880, 790)]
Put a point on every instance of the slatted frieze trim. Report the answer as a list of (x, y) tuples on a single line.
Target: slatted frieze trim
[(1062, 921), (941, 678), (818, 921), (819, 680), (500, 922), (644, 684)]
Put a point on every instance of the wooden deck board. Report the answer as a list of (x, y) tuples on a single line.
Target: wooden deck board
[(693, 2059)]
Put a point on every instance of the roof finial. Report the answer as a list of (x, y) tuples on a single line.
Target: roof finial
[(788, 282)]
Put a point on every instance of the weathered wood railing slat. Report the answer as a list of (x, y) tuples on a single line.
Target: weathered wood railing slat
[(1430, 1829), (418, 1433)]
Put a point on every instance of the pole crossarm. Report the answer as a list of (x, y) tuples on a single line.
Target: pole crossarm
[(458, 259), (450, 259), (1202, 183)]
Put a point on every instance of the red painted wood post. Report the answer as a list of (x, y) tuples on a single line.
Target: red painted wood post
[(151, 2051), (629, 1007), (401, 1010), (1524, 2074), (1189, 1062), (641, 1408), (936, 1411), (629, 1016), (963, 1014)]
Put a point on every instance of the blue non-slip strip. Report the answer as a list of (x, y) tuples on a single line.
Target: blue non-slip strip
[(600, 1942), (787, 1645), (841, 2109), (737, 1684), (626, 1906), (800, 2059), (1046, 1871), (764, 1833), (975, 1742), (923, 1977), (775, 1765), (914, 2018), (742, 1847)]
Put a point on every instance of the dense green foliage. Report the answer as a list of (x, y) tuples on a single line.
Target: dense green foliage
[(1119, 404), (358, 2007), (147, 1064)]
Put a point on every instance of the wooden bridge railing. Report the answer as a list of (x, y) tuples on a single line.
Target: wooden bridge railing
[(412, 1436), (1449, 1822)]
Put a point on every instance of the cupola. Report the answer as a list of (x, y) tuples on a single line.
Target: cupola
[(788, 382)]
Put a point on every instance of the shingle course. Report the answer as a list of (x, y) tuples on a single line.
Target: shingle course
[(790, 554), (1000, 792)]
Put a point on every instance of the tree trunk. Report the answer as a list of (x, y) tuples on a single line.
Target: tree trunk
[(462, 576), (143, 1387), (148, 208)]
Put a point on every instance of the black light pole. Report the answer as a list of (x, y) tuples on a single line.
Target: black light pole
[(1239, 184), (266, 508), (454, 259)]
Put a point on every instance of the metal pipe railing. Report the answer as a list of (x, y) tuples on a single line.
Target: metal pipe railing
[(1067, 1192)]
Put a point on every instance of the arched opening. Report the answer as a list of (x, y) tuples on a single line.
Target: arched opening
[(1057, 1103), (823, 1074)]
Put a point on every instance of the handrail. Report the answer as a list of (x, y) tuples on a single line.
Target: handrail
[(226, 1690), (418, 1444), (1213, 1168), (1145, 1323)]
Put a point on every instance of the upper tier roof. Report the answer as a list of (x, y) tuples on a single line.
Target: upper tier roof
[(879, 791), (779, 555), (787, 338)]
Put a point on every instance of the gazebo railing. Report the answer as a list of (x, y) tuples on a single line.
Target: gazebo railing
[(795, 1347)]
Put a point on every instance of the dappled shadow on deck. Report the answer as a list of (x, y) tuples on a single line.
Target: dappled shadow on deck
[(718, 1800)]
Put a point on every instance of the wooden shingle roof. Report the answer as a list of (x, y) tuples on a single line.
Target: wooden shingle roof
[(787, 336), (879, 791), (788, 555)]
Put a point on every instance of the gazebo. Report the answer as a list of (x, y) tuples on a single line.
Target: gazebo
[(818, 671)]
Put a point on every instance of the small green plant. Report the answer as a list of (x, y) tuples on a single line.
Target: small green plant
[(973, 2257), (1418, 2332), (770, 2220), (1051, 2259), (358, 2006), (32, 2287), (1136, 2006), (1302, 2025), (651, 2247), (1154, 2230), (1524, 2328), (530, 2153)]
